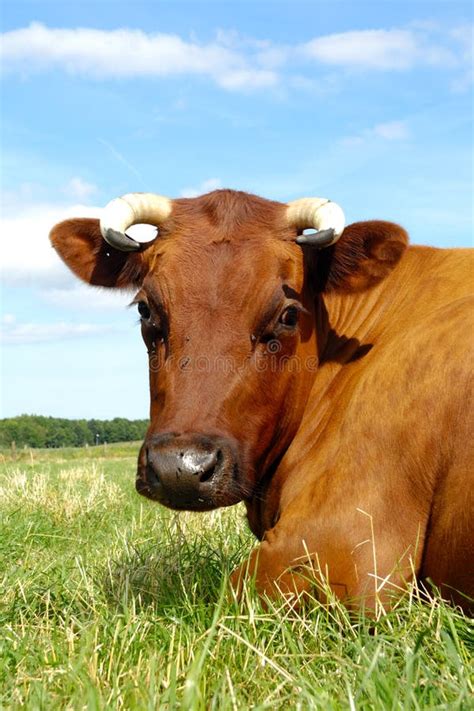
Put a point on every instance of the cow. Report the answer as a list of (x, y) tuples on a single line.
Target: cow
[(318, 373)]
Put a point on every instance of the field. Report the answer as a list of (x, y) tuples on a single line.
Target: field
[(108, 601)]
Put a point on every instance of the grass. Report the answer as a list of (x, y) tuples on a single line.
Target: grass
[(108, 601)]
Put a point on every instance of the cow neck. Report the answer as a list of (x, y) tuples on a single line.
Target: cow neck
[(363, 315), (347, 327), (344, 321)]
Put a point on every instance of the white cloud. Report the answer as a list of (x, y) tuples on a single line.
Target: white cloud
[(231, 61), (205, 187), (13, 201), (27, 256), (388, 131), (129, 53), (393, 49), (83, 297), (247, 79), (463, 35), (392, 130), (13, 333), (79, 189)]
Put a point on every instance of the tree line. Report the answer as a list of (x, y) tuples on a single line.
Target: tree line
[(39, 431)]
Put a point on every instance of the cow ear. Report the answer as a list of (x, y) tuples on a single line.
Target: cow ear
[(80, 245), (365, 254)]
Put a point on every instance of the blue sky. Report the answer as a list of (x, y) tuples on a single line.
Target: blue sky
[(369, 104)]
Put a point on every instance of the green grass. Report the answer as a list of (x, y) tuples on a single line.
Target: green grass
[(108, 601)]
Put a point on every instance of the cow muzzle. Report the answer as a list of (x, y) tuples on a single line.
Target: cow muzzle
[(193, 472)]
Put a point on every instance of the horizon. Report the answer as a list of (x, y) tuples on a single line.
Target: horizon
[(53, 417)]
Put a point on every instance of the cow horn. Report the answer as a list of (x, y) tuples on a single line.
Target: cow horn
[(322, 215), (128, 210)]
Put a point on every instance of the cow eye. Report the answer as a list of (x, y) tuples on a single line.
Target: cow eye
[(289, 317), (143, 310)]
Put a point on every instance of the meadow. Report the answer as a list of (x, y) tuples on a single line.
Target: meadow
[(108, 601)]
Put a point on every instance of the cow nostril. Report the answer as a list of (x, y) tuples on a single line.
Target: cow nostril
[(214, 465), (207, 474), (152, 476)]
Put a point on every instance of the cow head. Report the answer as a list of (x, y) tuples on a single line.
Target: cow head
[(226, 295)]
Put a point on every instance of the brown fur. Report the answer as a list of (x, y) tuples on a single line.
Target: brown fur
[(353, 437)]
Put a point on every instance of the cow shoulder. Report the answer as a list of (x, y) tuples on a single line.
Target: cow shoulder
[(364, 255)]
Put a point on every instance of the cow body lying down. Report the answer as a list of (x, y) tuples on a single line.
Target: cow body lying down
[(329, 389)]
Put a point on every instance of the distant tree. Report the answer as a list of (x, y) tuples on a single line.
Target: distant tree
[(40, 431), (82, 434)]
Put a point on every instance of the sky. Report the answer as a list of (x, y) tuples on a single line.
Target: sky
[(367, 103)]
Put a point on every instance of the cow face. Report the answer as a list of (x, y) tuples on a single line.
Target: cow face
[(227, 322), (226, 301)]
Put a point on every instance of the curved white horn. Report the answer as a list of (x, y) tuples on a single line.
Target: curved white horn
[(128, 210), (326, 217)]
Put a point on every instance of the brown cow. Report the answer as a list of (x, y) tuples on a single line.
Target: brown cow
[(329, 389)]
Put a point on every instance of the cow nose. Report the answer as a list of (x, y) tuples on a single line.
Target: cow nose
[(184, 472), (185, 465)]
